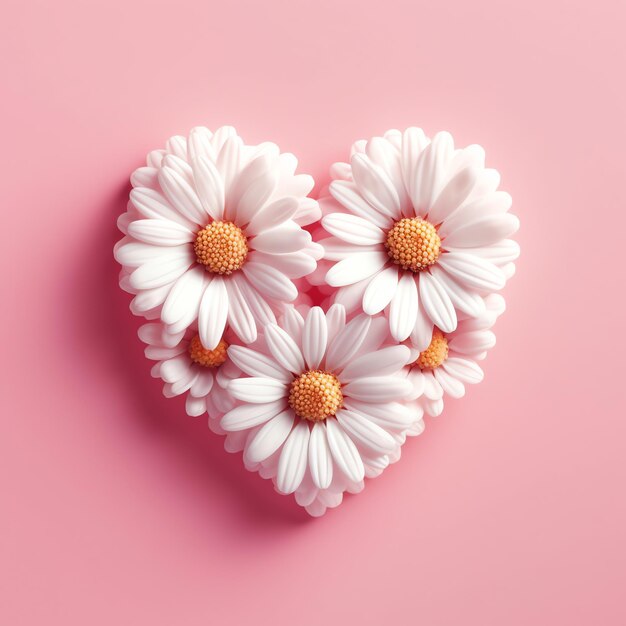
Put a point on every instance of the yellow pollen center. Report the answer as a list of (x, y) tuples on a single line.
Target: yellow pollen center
[(207, 358), (221, 247), (315, 395), (413, 244), (435, 354)]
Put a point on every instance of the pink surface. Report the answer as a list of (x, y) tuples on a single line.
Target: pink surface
[(119, 509)]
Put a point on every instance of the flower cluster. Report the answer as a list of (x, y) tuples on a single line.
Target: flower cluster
[(407, 249)]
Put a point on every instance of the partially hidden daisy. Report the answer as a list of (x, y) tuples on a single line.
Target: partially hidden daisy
[(213, 234), (450, 361), (187, 367), (418, 230), (322, 404)]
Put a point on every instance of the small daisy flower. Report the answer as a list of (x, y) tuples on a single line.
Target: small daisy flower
[(187, 367), (213, 234), (322, 404), (418, 230), (451, 359)]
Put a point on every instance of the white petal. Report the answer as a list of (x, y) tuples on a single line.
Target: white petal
[(499, 253), (472, 271), (382, 363), (203, 384), (182, 196), (293, 323), (314, 337), (149, 300), (144, 177), (434, 407), (366, 433), (247, 416), (176, 368), (353, 229), (195, 406), (355, 268), (484, 231), (347, 194), (453, 387), (134, 253), (156, 353), (260, 308), (463, 300), (378, 335), (403, 309), (270, 281), (221, 136), (292, 264), (351, 296), (308, 212), (430, 171), (184, 296), (413, 143), (336, 250), (257, 390), (464, 370), (150, 333), (154, 158), (255, 363), (422, 332), (288, 237), (293, 459), (378, 388), (240, 316), (390, 416), (347, 342), (432, 389), (177, 145), (344, 452), (284, 349), (380, 290), (228, 160), (152, 205), (209, 187), (437, 303), (184, 383), (272, 215), (180, 166), (270, 437), (320, 459), (417, 380), (162, 271), (199, 144), (473, 342), (213, 313), (452, 196), (387, 156), (335, 321), (374, 185), (253, 187), (496, 203)]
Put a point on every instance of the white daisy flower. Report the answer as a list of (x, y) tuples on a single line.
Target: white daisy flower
[(419, 230), (214, 234), (186, 366), (451, 360), (321, 406)]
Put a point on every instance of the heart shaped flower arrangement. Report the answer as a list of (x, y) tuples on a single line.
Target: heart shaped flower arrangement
[(316, 334)]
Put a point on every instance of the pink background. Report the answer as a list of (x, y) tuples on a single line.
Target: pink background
[(119, 509)]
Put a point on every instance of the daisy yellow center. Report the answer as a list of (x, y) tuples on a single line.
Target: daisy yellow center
[(435, 354), (315, 395), (413, 244), (221, 247), (207, 358)]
